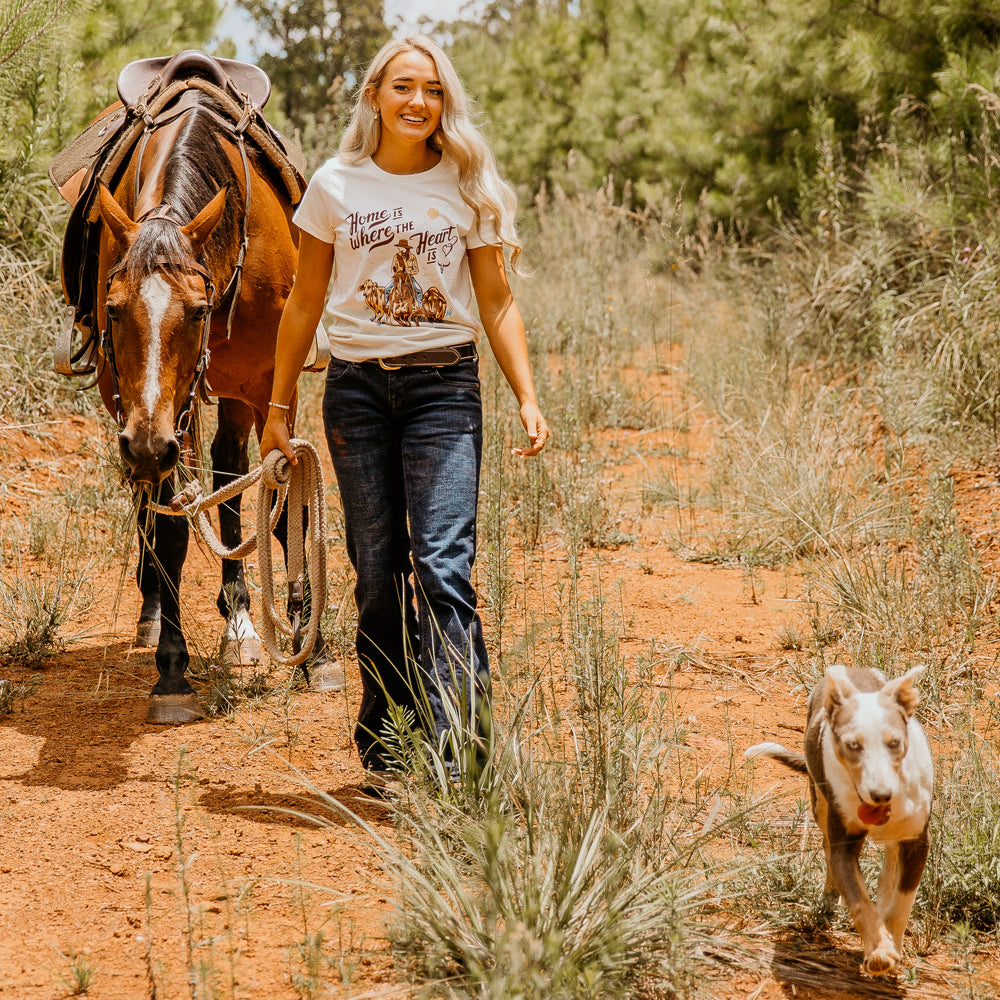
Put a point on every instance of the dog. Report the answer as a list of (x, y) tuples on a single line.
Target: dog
[(870, 775), (375, 299)]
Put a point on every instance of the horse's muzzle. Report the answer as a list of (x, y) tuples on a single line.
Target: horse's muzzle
[(150, 457)]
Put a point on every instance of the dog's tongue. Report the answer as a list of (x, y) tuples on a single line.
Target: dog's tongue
[(874, 815)]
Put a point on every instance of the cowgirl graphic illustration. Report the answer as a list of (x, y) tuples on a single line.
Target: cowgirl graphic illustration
[(403, 302)]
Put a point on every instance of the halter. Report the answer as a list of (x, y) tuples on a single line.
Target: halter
[(182, 425), (233, 286)]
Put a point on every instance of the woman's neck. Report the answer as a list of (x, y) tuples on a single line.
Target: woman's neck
[(395, 159)]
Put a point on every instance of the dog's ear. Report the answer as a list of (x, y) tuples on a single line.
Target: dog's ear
[(838, 687), (903, 691)]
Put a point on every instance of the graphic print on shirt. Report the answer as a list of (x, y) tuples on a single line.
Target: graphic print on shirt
[(403, 302)]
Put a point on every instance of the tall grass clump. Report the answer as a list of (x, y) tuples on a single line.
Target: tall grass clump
[(588, 307), (540, 852), (884, 282), (30, 317), (919, 597), (962, 882), (35, 611), (544, 902), (798, 473), (33, 102)]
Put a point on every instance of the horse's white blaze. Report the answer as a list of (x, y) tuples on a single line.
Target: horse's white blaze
[(155, 294)]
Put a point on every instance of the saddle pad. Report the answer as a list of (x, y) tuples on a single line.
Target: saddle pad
[(81, 152)]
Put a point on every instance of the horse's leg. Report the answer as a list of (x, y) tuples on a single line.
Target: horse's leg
[(147, 579), (324, 673), (172, 699), (241, 643)]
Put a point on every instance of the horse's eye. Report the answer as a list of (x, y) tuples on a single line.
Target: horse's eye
[(200, 312), (113, 310)]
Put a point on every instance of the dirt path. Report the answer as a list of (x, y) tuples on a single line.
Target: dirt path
[(154, 855)]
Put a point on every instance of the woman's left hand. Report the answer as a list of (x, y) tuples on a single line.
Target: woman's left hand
[(537, 428)]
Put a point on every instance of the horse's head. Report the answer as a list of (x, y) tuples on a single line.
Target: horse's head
[(158, 305)]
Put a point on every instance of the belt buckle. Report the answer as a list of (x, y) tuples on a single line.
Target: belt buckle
[(388, 368)]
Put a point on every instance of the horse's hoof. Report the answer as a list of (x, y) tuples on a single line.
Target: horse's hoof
[(173, 709), (242, 652), (326, 677), (147, 632)]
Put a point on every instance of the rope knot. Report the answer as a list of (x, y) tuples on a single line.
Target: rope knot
[(187, 499)]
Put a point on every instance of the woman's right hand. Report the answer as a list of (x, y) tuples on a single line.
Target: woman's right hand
[(276, 436)]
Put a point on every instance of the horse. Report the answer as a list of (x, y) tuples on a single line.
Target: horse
[(196, 259)]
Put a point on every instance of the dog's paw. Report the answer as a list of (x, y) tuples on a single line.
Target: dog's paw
[(881, 961)]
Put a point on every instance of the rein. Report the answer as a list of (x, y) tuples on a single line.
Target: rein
[(302, 485)]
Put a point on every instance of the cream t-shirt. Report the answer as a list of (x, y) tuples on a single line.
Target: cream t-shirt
[(400, 274)]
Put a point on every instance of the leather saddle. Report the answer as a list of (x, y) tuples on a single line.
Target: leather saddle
[(140, 81), (152, 91)]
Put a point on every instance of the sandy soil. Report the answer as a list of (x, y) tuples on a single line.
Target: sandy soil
[(148, 851)]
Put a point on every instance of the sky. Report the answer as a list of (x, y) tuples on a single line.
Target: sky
[(402, 14)]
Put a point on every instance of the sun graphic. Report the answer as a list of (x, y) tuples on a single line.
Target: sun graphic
[(432, 213)]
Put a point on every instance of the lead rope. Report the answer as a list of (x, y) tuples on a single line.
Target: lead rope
[(278, 479)]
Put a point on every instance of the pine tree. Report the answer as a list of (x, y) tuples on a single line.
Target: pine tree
[(321, 46)]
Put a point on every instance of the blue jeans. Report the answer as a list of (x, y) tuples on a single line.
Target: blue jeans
[(406, 448)]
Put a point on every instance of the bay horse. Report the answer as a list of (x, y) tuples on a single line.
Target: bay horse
[(197, 257)]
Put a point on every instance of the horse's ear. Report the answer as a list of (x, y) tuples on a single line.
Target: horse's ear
[(198, 229), (114, 215)]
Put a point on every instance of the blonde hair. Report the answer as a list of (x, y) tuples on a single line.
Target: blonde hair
[(480, 182)]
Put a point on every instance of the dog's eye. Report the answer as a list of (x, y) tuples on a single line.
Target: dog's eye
[(894, 744), (853, 745)]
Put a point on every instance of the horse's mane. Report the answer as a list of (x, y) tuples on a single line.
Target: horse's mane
[(197, 167)]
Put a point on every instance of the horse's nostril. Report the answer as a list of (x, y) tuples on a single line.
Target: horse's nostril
[(170, 453), (125, 447), (150, 458)]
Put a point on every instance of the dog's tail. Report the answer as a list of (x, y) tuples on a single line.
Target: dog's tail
[(796, 761)]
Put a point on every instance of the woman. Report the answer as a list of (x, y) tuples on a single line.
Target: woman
[(411, 219)]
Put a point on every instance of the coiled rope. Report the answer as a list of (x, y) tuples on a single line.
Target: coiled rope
[(302, 485)]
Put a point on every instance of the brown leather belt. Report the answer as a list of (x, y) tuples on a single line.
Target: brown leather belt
[(433, 357)]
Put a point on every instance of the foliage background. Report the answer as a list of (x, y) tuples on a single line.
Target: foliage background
[(822, 173), (752, 111)]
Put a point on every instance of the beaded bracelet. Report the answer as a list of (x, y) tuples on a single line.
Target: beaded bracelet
[(279, 406)]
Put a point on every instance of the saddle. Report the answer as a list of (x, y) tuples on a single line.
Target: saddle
[(141, 80), (152, 92)]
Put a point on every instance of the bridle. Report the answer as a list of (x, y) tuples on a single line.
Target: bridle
[(198, 380), (182, 424)]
